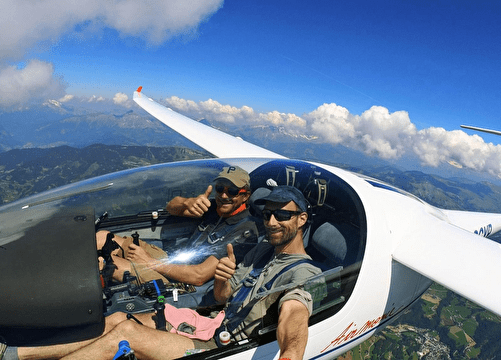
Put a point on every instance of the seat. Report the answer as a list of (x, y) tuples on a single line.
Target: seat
[(328, 241), (259, 193)]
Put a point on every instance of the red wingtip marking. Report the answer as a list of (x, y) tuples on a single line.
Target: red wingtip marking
[(139, 89)]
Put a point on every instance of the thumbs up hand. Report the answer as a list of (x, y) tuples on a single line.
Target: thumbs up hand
[(226, 266), (196, 207)]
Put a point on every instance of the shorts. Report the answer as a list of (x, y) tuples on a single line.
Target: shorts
[(143, 271), (207, 345)]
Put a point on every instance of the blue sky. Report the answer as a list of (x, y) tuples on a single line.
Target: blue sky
[(431, 64)]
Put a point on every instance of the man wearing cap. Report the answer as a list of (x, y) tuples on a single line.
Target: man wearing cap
[(285, 216), (286, 263), (225, 219)]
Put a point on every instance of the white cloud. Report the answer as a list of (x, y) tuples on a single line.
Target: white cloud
[(436, 145), (27, 25), (34, 82), (66, 98), (157, 20), (333, 123), (392, 135), (95, 98), (120, 98), (213, 110), (376, 132)]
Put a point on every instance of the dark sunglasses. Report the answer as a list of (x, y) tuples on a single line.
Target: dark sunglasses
[(230, 190), (280, 215)]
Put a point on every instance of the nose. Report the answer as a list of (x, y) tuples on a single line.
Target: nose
[(272, 221)]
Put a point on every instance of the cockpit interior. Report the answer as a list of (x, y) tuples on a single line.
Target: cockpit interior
[(48, 251)]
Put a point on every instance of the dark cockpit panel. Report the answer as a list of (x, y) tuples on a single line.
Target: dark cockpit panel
[(51, 291)]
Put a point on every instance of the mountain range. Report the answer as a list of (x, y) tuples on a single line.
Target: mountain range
[(54, 124)]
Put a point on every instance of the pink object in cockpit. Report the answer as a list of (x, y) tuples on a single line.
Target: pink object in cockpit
[(201, 327)]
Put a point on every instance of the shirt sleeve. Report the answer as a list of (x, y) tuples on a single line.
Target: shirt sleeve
[(300, 276), (300, 295)]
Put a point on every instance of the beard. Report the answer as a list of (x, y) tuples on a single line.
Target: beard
[(225, 206), (274, 238)]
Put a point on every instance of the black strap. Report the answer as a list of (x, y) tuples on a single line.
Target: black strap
[(214, 235), (109, 246), (105, 252)]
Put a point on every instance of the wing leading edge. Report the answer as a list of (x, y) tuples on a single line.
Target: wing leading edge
[(495, 132), (464, 262), (214, 141)]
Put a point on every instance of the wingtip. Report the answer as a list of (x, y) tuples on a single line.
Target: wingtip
[(139, 89)]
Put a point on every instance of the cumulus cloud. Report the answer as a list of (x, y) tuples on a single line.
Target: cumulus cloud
[(34, 82), (35, 24), (66, 98), (376, 132), (97, 103), (26, 23), (436, 145), (392, 135), (213, 110), (120, 98)]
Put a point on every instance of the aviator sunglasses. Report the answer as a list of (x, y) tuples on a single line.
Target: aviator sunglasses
[(230, 190), (280, 215)]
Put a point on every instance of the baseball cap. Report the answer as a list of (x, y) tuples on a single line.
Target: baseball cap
[(284, 194), (238, 176)]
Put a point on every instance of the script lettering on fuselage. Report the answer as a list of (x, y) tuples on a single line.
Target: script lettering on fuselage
[(352, 331), (484, 231)]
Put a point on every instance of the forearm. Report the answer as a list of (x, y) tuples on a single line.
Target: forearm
[(292, 330), (222, 291), (191, 274), (176, 206)]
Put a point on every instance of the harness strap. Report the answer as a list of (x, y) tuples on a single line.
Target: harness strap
[(248, 283), (213, 236), (235, 316)]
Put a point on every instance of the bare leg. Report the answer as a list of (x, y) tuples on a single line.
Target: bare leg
[(58, 351), (101, 240), (147, 343), (121, 265)]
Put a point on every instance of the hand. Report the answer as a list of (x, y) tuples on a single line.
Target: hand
[(199, 205), (138, 255), (226, 266)]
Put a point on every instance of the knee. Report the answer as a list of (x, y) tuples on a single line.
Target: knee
[(115, 319), (101, 238), (126, 328)]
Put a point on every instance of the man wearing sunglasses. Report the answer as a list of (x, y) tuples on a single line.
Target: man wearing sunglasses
[(285, 216), (225, 219), (285, 264)]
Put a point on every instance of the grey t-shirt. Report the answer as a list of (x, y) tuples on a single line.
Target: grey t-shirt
[(265, 310)]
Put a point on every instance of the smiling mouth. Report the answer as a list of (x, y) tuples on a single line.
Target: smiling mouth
[(273, 231), (225, 201)]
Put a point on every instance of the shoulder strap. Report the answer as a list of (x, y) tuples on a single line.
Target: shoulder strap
[(269, 284), (219, 234), (235, 317), (248, 283), (212, 234)]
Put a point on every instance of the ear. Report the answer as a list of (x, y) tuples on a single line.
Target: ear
[(302, 219), (246, 196)]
